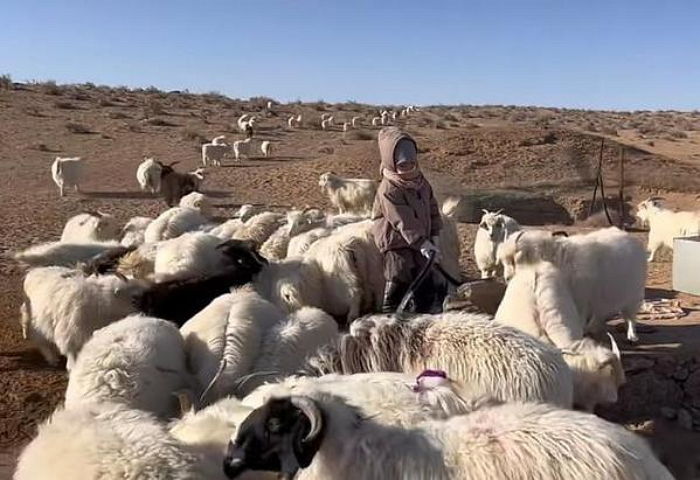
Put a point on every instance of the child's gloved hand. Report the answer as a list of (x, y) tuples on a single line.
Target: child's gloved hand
[(427, 247)]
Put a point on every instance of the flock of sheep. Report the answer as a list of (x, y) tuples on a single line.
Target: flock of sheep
[(252, 347)]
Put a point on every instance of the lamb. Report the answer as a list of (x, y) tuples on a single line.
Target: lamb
[(67, 172), (494, 228), (197, 201), (349, 195), (63, 254), (327, 438), (174, 222), (488, 359), (266, 148), (90, 227), (63, 307), (605, 271), (223, 340), (539, 303), (134, 232), (110, 441), (665, 225), (241, 147), (214, 153), (138, 361), (148, 175), (258, 228), (175, 185), (286, 345)]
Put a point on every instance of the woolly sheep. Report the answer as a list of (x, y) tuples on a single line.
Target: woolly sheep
[(63, 254), (228, 228), (349, 195), (291, 284), (197, 201), (148, 175), (90, 227), (538, 302), (110, 441), (665, 225), (192, 254), (138, 361), (494, 228), (266, 148), (63, 307), (173, 223), (286, 345), (329, 439), (488, 359), (214, 153), (258, 228), (67, 172), (300, 244), (134, 232), (605, 270), (223, 340), (298, 221)]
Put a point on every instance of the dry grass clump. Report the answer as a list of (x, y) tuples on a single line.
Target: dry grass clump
[(78, 128), (6, 82)]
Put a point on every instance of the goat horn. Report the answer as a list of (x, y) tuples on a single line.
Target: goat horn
[(517, 235), (309, 408), (614, 347)]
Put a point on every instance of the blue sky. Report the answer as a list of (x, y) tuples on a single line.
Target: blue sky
[(610, 54)]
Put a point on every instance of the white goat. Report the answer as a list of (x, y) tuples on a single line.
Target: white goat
[(138, 361), (665, 225), (605, 270), (349, 195), (494, 228), (214, 153), (192, 254), (90, 227), (266, 148), (67, 172), (148, 175), (63, 307), (241, 147), (173, 223), (258, 228)]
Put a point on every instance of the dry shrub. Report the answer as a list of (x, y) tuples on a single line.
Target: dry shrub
[(326, 149), (359, 135), (78, 128), (153, 107), (6, 82), (192, 135), (678, 134), (159, 122), (65, 105), (49, 87)]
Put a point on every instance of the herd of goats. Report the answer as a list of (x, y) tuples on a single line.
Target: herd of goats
[(252, 348)]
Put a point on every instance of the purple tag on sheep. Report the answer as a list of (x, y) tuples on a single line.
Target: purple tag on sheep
[(432, 373)]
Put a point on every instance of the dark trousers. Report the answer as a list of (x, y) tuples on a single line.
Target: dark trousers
[(401, 267)]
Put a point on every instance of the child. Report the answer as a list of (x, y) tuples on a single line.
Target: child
[(406, 220)]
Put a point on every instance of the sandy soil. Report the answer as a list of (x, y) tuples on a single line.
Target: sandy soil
[(471, 151)]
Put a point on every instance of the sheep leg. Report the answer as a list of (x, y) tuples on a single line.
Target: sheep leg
[(485, 274), (70, 361), (653, 248), (630, 317), (60, 190)]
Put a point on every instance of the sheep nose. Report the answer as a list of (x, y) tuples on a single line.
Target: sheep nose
[(233, 466)]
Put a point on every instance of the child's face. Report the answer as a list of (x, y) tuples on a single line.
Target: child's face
[(406, 167)]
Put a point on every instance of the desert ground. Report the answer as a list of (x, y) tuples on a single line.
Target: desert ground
[(537, 163)]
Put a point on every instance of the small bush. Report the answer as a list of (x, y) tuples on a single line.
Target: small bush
[(326, 149), (49, 87), (6, 82), (159, 122), (359, 135), (678, 134), (192, 135), (77, 128), (65, 106)]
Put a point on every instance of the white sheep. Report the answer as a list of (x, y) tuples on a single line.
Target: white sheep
[(111, 441), (192, 254), (605, 270), (288, 343), (138, 361), (197, 201), (259, 227), (291, 121), (299, 244), (266, 148), (298, 221), (291, 284), (90, 227), (356, 121), (63, 307), (220, 140), (494, 228), (63, 254), (241, 147), (242, 122), (214, 153), (665, 225), (539, 302), (349, 195), (133, 233), (376, 121), (488, 359), (67, 172), (509, 441), (325, 123), (173, 223), (148, 175), (223, 340)]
